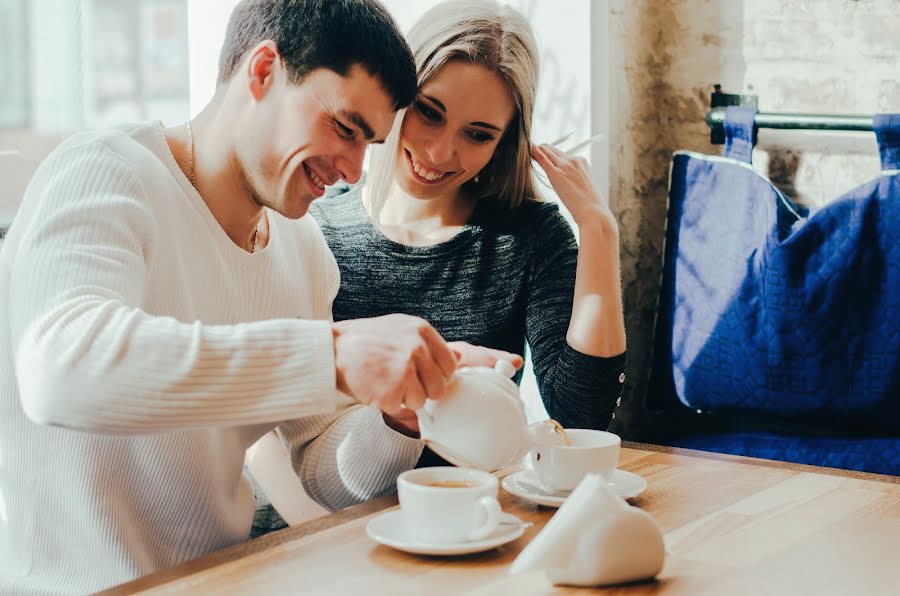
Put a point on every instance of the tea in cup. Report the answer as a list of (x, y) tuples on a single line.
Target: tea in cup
[(451, 484), (561, 467), (449, 505)]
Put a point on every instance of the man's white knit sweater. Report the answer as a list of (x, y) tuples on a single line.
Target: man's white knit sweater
[(141, 353)]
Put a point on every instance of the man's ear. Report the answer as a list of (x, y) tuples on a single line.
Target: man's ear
[(262, 63)]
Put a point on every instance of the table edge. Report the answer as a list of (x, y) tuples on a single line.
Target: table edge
[(251, 547)]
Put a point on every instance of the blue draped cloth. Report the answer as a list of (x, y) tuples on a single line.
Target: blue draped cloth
[(785, 316)]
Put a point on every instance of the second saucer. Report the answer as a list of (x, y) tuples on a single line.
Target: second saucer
[(525, 484)]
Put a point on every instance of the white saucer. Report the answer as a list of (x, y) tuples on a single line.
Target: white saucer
[(525, 484), (390, 529)]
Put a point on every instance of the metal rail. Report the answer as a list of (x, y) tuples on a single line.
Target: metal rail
[(716, 118)]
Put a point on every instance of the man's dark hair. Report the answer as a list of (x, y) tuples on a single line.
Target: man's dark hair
[(332, 34)]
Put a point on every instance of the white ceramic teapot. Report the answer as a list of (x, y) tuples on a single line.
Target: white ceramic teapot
[(481, 422)]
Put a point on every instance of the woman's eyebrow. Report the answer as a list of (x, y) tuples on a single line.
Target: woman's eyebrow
[(486, 125), (440, 105)]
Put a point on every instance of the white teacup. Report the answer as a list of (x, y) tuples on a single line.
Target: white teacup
[(449, 505), (562, 467)]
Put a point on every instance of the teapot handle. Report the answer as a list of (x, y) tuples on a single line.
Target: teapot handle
[(426, 412)]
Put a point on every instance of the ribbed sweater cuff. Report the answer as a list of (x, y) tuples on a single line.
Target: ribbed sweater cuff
[(399, 446), (368, 454)]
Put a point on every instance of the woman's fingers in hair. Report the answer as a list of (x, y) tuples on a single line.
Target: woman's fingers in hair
[(564, 163), (549, 157), (539, 154), (557, 158)]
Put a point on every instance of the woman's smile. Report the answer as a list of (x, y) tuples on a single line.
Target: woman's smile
[(423, 173)]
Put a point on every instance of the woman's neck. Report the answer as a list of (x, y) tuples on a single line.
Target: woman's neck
[(421, 222), (403, 209)]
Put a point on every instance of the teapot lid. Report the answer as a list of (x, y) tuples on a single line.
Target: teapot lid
[(505, 368)]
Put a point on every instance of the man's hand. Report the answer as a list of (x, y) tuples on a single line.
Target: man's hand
[(405, 420), (391, 362), (395, 362)]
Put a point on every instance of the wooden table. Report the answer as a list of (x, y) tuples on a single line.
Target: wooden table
[(732, 525)]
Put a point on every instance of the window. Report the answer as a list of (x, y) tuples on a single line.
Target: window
[(66, 65)]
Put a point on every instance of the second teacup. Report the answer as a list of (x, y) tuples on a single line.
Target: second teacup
[(562, 467), (449, 505)]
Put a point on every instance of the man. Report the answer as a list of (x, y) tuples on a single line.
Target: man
[(165, 304)]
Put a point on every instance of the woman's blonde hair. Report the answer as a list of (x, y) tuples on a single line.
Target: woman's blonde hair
[(499, 38)]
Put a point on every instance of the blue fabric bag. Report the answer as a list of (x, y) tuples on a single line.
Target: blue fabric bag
[(778, 314)]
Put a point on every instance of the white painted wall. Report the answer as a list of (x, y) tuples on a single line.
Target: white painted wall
[(56, 44), (207, 20)]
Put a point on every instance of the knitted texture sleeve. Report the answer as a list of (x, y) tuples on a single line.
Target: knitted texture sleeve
[(578, 390)]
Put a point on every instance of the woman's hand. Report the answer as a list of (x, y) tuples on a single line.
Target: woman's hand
[(471, 355), (571, 179), (597, 324)]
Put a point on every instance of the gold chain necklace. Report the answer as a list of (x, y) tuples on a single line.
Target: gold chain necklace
[(194, 184)]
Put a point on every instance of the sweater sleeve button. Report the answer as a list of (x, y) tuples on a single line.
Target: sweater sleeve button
[(621, 377)]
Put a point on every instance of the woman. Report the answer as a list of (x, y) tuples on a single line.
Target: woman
[(462, 240)]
